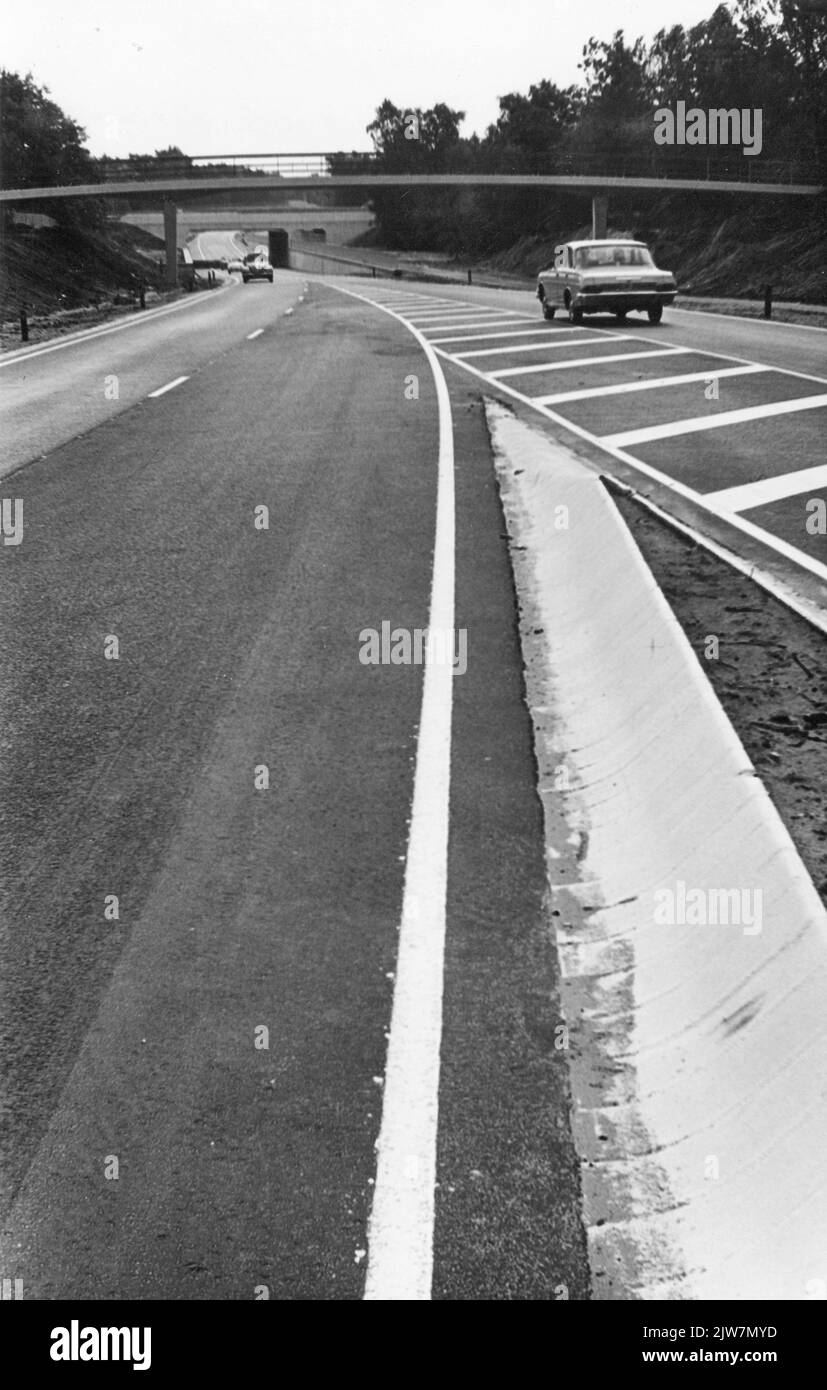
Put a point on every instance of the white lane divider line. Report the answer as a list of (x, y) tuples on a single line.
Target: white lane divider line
[(170, 386), (585, 361), (655, 383), (765, 490), (401, 1227), (257, 332), (714, 422)]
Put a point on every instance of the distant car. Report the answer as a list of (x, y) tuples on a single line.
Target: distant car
[(604, 277), (256, 268), (236, 263)]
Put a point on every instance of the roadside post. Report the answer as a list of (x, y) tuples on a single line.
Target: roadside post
[(24, 326), (768, 301)]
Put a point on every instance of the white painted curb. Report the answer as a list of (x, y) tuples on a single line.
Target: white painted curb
[(698, 1052)]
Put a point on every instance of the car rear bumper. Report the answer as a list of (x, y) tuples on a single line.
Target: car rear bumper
[(614, 302)]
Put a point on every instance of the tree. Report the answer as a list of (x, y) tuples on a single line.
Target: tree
[(40, 146)]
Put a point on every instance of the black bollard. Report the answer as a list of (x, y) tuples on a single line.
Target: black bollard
[(24, 326), (469, 277), (142, 295), (768, 301)]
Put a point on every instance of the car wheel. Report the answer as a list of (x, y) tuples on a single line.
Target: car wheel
[(575, 315), (245, 278), (270, 278), (548, 311), (656, 314)]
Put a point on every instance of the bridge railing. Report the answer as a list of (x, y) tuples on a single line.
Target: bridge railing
[(712, 164)]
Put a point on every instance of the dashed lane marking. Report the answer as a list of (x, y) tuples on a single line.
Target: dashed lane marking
[(170, 386), (255, 334)]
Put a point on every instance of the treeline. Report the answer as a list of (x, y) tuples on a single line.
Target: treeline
[(770, 54)]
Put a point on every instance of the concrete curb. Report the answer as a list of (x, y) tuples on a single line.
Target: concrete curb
[(698, 1051)]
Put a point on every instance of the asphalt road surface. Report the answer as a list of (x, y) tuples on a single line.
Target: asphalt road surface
[(156, 1142), (192, 1083)]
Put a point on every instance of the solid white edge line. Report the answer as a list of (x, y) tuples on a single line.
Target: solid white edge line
[(401, 1225), (170, 386), (88, 335)]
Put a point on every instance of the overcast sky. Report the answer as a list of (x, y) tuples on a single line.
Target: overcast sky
[(262, 75)]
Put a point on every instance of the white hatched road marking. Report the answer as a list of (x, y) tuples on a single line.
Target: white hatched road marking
[(491, 323), (587, 361), (758, 494), (542, 333), (170, 386), (681, 380), (714, 422), (528, 347), (541, 404)]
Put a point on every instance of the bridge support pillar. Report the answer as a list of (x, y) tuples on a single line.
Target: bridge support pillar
[(171, 244), (600, 216)]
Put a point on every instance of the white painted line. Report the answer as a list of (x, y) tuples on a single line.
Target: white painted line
[(87, 335), (586, 362), (662, 801), (401, 1227), (480, 323), (713, 422), (781, 547), (461, 310), (540, 329), (531, 347), (758, 494), (170, 386), (685, 379), (257, 333)]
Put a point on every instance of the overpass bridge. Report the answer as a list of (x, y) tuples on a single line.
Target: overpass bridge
[(168, 179)]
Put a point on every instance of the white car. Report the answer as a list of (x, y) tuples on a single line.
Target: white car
[(256, 268), (235, 263), (604, 277)]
